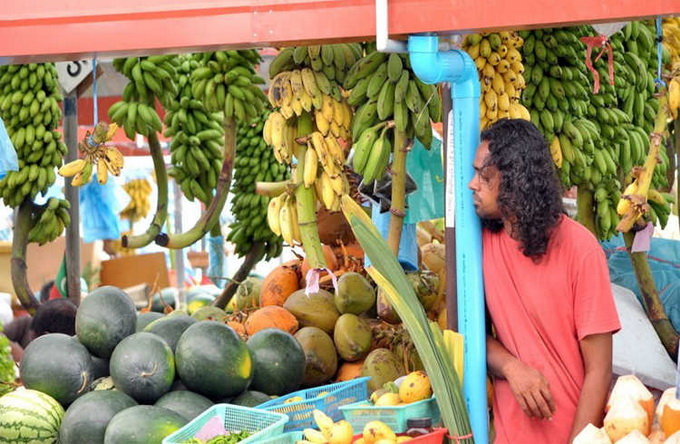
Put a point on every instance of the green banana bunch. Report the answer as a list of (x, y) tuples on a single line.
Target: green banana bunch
[(197, 145), (50, 220), (255, 162), (29, 106), (150, 78), (226, 81), (385, 89)]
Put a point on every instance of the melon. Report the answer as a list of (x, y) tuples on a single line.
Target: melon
[(144, 319), (165, 298), (313, 310), (143, 366), (279, 362), (86, 419), (321, 359), (209, 313), (100, 367), (170, 327), (29, 416), (57, 365), (184, 402), (212, 360), (105, 317), (251, 398), (143, 424)]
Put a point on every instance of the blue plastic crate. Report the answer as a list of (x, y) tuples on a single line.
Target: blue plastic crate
[(361, 413), (327, 398), (235, 418)]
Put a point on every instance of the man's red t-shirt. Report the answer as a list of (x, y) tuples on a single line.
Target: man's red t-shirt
[(540, 312)]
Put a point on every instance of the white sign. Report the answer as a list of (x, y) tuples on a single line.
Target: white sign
[(71, 74), (450, 189)]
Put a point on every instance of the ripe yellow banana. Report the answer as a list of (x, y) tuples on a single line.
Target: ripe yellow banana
[(102, 171), (286, 222), (311, 164), (273, 214), (322, 124), (674, 97), (72, 168)]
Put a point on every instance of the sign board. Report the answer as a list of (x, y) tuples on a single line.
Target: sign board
[(72, 74)]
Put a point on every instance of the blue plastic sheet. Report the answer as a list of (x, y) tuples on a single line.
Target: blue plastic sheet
[(99, 208), (8, 155), (216, 260), (664, 260), (408, 244), (425, 168)]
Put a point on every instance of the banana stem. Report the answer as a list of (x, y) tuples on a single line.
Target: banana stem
[(584, 208), (305, 203), (271, 189), (22, 225), (646, 173), (161, 215), (651, 301), (398, 209), (252, 258), (211, 216)]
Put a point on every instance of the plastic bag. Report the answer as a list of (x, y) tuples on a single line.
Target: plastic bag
[(425, 167), (8, 155), (99, 208), (664, 261)]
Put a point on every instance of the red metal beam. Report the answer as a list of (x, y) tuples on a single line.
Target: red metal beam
[(70, 29)]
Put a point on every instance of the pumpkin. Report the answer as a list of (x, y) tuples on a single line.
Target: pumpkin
[(349, 370), (670, 417), (591, 435), (629, 386), (280, 283), (624, 416), (272, 316)]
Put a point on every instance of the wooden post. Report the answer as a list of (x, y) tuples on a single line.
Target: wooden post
[(450, 230), (72, 195)]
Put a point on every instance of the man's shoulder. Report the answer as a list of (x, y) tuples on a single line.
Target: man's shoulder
[(571, 233)]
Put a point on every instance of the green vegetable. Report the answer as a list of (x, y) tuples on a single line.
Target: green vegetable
[(231, 438)]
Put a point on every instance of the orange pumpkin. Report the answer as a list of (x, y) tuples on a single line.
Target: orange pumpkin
[(280, 283), (349, 370), (272, 316)]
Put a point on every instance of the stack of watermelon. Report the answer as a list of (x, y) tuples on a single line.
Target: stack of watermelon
[(129, 378)]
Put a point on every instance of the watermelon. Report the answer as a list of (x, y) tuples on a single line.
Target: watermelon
[(144, 319), (143, 366), (57, 365), (165, 298), (143, 424), (100, 367), (209, 313), (212, 360), (29, 416), (86, 419), (251, 398), (105, 317), (170, 328), (184, 402), (279, 361)]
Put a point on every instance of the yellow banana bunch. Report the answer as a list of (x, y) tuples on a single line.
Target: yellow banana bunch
[(499, 63), (674, 93), (283, 220), (671, 37), (105, 158), (139, 205), (280, 134)]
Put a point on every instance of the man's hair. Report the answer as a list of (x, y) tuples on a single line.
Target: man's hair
[(55, 316), (530, 192)]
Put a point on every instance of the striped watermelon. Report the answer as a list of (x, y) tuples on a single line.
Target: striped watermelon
[(29, 416)]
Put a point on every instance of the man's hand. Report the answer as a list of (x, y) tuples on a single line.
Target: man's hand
[(530, 388)]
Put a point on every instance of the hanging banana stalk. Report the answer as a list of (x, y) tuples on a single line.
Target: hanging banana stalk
[(22, 225)]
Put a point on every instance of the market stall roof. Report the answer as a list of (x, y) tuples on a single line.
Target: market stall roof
[(68, 29)]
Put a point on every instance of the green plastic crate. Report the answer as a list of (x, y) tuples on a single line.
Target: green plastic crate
[(261, 423), (361, 413)]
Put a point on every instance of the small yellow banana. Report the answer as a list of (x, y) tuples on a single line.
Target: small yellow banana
[(273, 210), (286, 223), (310, 167), (102, 171), (72, 168)]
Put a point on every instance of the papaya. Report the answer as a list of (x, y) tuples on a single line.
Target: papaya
[(321, 360), (354, 294), (279, 284), (352, 337), (381, 366), (313, 310)]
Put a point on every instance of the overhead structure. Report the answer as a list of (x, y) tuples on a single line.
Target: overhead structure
[(33, 30)]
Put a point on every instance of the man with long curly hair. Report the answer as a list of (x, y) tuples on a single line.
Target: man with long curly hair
[(548, 293)]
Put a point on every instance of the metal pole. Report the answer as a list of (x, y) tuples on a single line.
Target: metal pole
[(179, 253), (450, 230), (72, 195)]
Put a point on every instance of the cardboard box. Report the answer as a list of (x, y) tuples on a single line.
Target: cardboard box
[(124, 272)]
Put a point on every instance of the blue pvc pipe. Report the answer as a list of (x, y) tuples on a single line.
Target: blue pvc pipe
[(456, 67)]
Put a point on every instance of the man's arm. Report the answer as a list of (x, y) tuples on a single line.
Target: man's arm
[(597, 357), (530, 387)]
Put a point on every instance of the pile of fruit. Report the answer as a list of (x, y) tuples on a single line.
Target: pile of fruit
[(632, 416)]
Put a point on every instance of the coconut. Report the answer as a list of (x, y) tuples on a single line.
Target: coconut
[(670, 417), (433, 256), (634, 437), (629, 386), (624, 416), (666, 396), (592, 435), (673, 439)]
